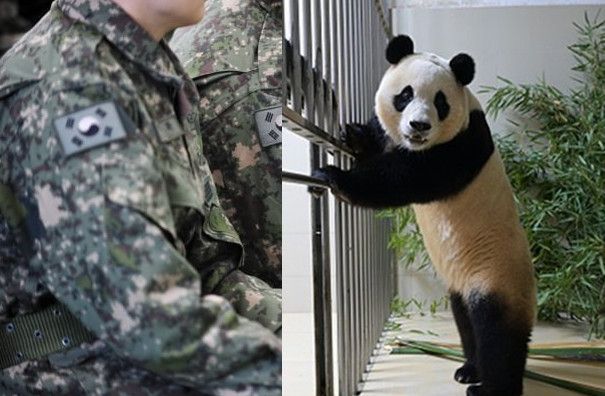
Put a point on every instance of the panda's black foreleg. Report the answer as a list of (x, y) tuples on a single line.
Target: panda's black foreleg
[(501, 348), (382, 181), (467, 374)]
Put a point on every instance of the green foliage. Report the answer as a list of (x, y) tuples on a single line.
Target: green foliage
[(558, 173), (559, 178), (405, 308), (405, 238)]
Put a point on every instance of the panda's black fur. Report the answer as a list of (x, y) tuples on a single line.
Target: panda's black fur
[(429, 175), (459, 183)]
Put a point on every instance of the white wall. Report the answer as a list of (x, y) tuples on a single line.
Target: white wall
[(521, 44), (296, 228)]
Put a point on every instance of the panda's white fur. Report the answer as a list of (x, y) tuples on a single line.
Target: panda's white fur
[(484, 248)]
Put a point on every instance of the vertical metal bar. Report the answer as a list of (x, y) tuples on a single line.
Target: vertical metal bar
[(364, 290), (354, 336), (358, 259), (361, 291), (373, 262), (347, 101), (318, 63), (354, 302), (329, 365), (341, 240), (360, 39), (371, 298), (321, 282), (296, 82), (350, 66), (363, 43), (321, 266), (355, 60), (349, 299), (357, 228), (352, 260), (346, 389), (327, 22), (308, 86), (340, 288), (367, 295), (343, 66), (373, 290)]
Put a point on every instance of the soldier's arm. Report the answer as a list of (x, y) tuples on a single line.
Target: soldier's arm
[(103, 232)]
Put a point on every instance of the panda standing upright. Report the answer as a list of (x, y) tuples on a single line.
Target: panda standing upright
[(429, 145)]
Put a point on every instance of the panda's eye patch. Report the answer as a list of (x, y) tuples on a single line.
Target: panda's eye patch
[(403, 99), (443, 108)]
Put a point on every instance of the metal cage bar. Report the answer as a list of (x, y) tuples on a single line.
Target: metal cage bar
[(333, 64)]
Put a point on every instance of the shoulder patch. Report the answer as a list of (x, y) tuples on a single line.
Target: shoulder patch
[(268, 124), (91, 127)]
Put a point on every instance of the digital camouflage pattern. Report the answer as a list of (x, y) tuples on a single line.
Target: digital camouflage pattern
[(128, 234), (254, 299), (234, 56)]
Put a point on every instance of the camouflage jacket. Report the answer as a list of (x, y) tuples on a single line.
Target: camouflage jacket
[(234, 56), (108, 207)]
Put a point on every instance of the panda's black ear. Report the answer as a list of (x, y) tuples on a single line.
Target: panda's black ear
[(463, 67), (399, 47)]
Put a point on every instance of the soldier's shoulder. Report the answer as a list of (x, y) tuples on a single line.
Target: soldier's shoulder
[(56, 53), (57, 73), (223, 40)]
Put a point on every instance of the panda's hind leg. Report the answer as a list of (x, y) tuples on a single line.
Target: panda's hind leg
[(467, 374), (501, 347)]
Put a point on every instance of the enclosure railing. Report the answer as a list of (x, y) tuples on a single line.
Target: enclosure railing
[(334, 59)]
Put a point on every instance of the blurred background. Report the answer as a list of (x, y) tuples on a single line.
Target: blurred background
[(17, 17)]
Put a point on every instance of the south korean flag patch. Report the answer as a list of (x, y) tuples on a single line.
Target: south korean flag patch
[(91, 127), (268, 124)]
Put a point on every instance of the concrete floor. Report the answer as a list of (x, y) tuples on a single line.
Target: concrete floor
[(420, 375), (423, 375)]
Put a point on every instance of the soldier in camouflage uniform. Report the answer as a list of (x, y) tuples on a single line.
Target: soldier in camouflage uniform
[(234, 57), (111, 232)]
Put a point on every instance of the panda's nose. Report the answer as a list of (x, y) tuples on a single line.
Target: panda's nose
[(420, 126)]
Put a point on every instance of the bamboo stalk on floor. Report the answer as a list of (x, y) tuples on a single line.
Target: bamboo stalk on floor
[(576, 352), (430, 348)]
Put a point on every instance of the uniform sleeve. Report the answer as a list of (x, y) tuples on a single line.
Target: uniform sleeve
[(103, 237)]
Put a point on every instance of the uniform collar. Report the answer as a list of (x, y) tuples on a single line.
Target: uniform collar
[(126, 35)]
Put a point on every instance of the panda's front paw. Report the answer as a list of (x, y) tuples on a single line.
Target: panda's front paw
[(467, 374), (331, 175), (354, 137), (327, 174)]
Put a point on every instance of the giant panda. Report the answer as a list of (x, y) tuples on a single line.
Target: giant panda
[(429, 145)]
